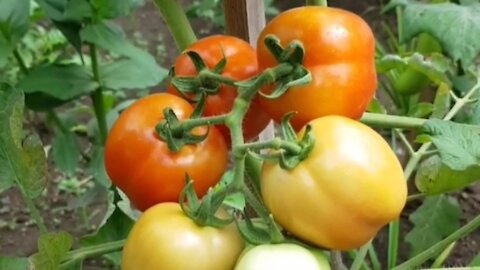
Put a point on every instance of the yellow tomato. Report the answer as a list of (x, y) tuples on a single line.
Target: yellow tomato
[(339, 197), (164, 238)]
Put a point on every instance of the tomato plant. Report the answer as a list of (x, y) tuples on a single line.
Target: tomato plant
[(143, 167), (283, 256), (241, 64), (339, 53), (165, 238), (332, 198)]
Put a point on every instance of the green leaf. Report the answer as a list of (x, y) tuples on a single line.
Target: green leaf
[(376, 106), (421, 110), (234, 200), (14, 24), (116, 226), (96, 166), (458, 145), (125, 206), (434, 177), (38, 101), (51, 250), (111, 9), (454, 26), (140, 66), (22, 159), (11, 263), (435, 67), (475, 261), (130, 74), (441, 103), (63, 82), (435, 219), (65, 151)]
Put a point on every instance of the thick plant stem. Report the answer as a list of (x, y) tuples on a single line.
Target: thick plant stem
[(336, 261), (359, 259), (177, 22), (393, 233), (97, 97), (92, 251), (323, 3), (434, 250), (391, 121)]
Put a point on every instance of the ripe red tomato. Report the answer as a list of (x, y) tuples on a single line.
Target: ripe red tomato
[(143, 167), (241, 65), (339, 53)]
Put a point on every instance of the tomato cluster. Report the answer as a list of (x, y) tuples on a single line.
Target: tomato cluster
[(349, 186)]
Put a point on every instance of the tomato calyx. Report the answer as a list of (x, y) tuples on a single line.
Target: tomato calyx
[(204, 212), (259, 231), (293, 54), (205, 82), (172, 131)]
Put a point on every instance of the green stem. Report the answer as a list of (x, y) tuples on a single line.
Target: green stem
[(204, 121), (21, 63), (177, 22), (374, 258), (322, 3), (440, 246), (97, 97), (275, 143), (443, 256), (34, 212), (392, 121), (91, 251), (359, 259), (336, 261), (209, 75), (393, 232)]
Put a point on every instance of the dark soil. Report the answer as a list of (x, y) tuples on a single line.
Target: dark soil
[(61, 211)]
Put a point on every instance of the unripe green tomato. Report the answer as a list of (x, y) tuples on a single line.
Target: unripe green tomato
[(283, 256)]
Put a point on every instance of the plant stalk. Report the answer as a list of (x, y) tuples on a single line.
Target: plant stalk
[(336, 261), (91, 251), (360, 257), (322, 3), (21, 62), (440, 246), (177, 22), (97, 97)]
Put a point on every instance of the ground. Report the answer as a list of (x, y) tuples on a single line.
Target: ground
[(18, 233)]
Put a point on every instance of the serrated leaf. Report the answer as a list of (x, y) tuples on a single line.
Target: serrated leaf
[(458, 145), (435, 219), (63, 82), (14, 24), (116, 227), (130, 74), (51, 250), (111, 9), (22, 160), (433, 177), (454, 26), (11, 263)]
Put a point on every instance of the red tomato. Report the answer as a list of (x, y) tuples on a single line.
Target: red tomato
[(241, 65), (339, 53), (143, 167)]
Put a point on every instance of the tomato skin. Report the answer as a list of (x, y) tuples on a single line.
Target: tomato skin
[(241, 65), (339, 53), (281, 257), (143, 167), (165, 238), (339, 197)]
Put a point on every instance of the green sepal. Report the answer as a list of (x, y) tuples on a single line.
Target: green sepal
[(203, 212), (255, 235), (287, 160), (171, 131), (293, 54), (197, 60)]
